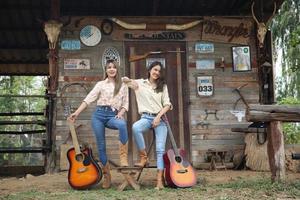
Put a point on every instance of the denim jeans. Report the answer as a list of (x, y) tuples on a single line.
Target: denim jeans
[(103, 117), (161, 132)]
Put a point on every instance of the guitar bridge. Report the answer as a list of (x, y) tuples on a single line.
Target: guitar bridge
[(81, 170), (182, 171)]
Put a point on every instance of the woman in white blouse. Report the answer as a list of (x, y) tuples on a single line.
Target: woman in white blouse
[(153, 102)]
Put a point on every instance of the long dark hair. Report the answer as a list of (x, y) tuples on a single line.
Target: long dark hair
[(160, 82), (118, 82)]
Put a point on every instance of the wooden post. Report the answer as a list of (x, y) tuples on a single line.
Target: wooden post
[(53, 71), (275, 150)]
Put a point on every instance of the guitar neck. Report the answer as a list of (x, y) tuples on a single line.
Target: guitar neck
[(170, 133), (74, 138)]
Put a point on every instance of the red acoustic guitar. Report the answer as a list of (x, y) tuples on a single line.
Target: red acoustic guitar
[(178, 171), (84, 171)]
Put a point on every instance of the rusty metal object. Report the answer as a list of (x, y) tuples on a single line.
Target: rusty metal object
[(241, 96)]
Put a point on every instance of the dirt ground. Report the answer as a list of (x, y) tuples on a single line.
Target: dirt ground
[(57, 182)]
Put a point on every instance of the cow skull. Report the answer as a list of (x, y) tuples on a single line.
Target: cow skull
[(262, 26)]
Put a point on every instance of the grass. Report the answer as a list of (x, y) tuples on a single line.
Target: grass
[(240, 189), (265, 187)]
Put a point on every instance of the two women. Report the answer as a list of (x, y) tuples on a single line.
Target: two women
[(112, 102)]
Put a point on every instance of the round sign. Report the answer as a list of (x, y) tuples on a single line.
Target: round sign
[(90, 35)]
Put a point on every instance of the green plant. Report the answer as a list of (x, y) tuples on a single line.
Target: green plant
[(291, 130)]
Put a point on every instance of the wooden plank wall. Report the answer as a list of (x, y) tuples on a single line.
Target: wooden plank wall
[(216, 135)]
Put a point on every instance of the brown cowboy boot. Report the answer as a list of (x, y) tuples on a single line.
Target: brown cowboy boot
[(106, 176), (160, 180), (143, 157), (123, 154)]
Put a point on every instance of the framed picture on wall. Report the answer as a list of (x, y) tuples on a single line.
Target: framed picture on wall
[(241, 58)]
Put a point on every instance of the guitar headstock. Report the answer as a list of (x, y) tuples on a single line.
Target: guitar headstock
[(67, 111)]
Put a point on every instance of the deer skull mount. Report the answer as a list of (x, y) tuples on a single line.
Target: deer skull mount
[(262, 26)]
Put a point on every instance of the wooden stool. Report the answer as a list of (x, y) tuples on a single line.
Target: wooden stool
[(212, 154), (129, 177), (132, 174)]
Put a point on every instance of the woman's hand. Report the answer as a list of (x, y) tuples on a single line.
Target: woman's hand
[(125, 79), (72, 117), (130, 83), (120, 114), (155, 121)]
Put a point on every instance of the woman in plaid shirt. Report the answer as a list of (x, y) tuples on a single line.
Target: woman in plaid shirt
[(112, 102)]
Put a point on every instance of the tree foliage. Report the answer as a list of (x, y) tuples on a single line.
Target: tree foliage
[(18, 85), (286, 35), (291, 130)]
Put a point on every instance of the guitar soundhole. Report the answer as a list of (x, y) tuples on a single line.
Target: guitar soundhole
[(178, 159), (79, 157)]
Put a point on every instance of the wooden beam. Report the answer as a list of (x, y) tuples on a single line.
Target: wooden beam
[(248, 130), (55, 9), (260, 116), (275, 150), (275, 108), (267, 113), (155, 7), (179, 97), (24, 69), (38, 47)]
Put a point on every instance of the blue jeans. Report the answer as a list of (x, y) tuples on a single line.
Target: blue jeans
[(161, 132), (103, 117)]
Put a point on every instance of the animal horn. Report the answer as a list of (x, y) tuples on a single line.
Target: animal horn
[(182, 26), (127, 25), (274, 11), (253, 15)]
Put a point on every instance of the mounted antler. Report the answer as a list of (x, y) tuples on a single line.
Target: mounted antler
[(262, 26), (144, 26)]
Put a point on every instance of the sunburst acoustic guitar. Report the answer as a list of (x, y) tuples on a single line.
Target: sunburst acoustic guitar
[(84, 171), (178, 171)]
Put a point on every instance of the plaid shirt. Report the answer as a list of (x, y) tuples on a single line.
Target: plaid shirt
[(103, 92)]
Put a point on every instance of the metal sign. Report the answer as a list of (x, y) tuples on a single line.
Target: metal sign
[(205, 85), (204, 47), (70, 45), (205, 64), (76, 63)]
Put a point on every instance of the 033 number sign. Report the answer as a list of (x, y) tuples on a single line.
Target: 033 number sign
[(205, 85)]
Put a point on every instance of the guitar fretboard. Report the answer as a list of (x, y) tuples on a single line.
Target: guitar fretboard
[(170, 133)]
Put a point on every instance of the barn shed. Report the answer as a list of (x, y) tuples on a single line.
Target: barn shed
[(213, 57)]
